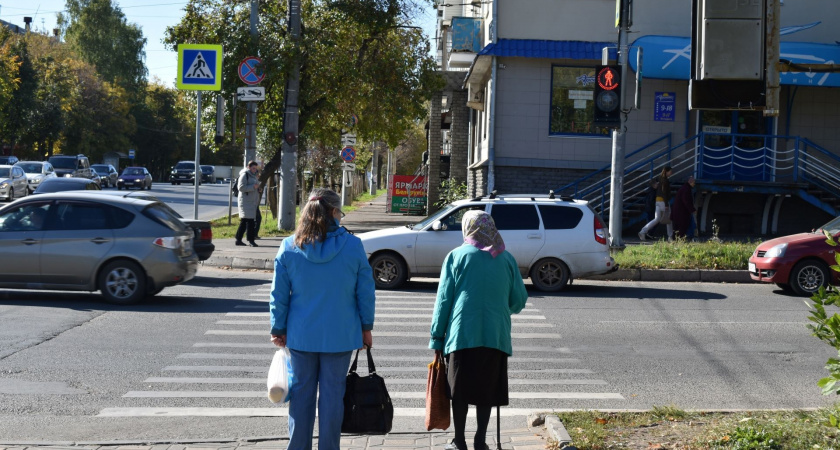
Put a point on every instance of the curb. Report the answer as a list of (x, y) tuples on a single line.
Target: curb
[(556, 430), (684, 275)]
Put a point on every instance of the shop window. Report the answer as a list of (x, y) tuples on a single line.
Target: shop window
[(572, 105)]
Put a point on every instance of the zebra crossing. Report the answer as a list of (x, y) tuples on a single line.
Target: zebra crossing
[(224, 374)]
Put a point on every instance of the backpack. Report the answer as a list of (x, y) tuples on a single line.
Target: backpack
[(234, 187)]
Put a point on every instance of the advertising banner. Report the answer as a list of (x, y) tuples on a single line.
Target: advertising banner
[(407, 194)]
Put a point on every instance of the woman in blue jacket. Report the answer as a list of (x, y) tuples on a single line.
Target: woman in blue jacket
[(480, 287), (322, 305)]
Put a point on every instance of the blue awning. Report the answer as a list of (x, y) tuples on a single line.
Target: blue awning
[(533, 48), (669, 58)]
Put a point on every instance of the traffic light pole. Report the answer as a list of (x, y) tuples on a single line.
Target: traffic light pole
[(619, 138)]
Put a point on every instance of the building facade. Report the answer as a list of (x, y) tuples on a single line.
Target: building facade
[(527, 68)]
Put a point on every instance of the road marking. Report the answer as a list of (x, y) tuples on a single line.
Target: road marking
[(390, 308), (394, 395), (513, 335), (277, 412), (391, 381), (377, 324), (264, 369), (388, 316), (267, 356)]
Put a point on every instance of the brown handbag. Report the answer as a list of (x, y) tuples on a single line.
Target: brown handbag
[(437, 401)]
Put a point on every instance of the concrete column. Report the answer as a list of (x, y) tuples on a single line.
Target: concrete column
[(435, 142), (458, 136)]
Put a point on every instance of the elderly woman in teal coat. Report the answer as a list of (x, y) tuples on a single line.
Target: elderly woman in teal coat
[(480, 287)]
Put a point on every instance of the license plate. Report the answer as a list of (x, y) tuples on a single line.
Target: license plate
[(752, 267)]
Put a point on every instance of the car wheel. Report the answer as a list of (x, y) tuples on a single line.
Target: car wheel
[(11, 194), (150, 187), (550, 275), (784, 286), (122, 282), (173, 183), (152, 293), (389, 271), (807, 277), (119, 188)]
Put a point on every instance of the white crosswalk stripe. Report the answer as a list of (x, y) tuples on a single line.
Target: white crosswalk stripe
[(236, 354)]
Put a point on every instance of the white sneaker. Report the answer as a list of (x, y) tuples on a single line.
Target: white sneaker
[(641, 235)]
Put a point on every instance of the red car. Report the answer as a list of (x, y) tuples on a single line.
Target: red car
[(798, 263)]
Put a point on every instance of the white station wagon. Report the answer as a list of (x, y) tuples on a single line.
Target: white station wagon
[(554, 240)]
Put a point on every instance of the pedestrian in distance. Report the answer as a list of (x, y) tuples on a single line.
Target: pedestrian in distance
[(258, 218), (322, 308), (650, 200), (480, 287), (663, 202), (682, 214), (249, 202)]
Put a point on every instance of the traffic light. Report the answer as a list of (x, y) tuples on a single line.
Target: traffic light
[(608, 96)]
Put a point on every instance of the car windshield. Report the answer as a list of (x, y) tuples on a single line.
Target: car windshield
[(207, 169), (31, 167), (832, 227), (133, 172), (63, 163), (184, 166), (434, 217), (100, 168), (4, 172), (61, 185)]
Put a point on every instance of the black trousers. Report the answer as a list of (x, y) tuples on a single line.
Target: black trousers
[(246, 225)]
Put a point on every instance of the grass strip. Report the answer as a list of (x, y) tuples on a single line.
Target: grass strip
[(714, 255)]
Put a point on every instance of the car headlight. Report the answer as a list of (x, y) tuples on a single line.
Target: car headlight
[(4, 185), (68, 175), (776, 251), (120, 180)]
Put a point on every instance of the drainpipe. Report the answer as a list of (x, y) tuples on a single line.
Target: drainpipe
[(491, 124)]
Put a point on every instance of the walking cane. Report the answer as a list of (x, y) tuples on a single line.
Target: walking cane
[(498, 430)]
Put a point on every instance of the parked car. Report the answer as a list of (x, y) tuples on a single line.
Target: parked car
[(107, 173), (66, 184), (553, 240), (183, 172), (208, 174), (8, 160), (71, 166), (202, 231), (137, 177), (36, 172), (125, 248), (798, 263), (13, 183)]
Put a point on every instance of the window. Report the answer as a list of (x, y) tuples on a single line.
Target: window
[(30, 217), (83, 216), (452, 222), (560, 217), (572, 104), (515, 217)]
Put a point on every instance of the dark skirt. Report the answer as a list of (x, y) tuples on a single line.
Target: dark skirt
[(478, 376)]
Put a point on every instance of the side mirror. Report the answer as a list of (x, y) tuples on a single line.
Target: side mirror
[(437, 225)]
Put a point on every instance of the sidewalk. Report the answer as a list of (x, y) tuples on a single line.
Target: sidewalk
[(369, 217), (372, 216), (525, 438)]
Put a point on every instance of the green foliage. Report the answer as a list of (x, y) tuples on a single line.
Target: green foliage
[(451, 191), (827, 329), (355, 57), (749, 438), (717, 255)]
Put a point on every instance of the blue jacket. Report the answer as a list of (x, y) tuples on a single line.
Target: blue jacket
[(476, 296), (323, 295)]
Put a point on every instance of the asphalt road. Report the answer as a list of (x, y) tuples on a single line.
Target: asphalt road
[(212, 199), (191, 362)]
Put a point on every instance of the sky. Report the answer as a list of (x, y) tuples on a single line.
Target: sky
[(153, 16)]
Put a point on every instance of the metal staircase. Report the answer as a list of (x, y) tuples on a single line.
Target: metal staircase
[(769, 164)]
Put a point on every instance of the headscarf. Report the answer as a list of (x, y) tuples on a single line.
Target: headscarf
[(480, 231)]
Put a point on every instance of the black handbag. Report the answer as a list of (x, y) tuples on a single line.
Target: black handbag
[(367, 405)]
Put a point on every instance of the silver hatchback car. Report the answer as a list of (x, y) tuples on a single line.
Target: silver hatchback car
[(125, 248)]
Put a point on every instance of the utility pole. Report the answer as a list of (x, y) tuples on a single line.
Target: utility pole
[(771, 57), (373, 172), (288, 163), (619, 137), (251, 115)]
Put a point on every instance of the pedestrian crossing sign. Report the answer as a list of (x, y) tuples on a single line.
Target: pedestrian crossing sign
[(199, 67)]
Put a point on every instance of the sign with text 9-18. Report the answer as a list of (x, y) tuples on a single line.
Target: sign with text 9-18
[(199, 67)]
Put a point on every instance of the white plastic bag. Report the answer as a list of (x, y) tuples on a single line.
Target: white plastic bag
[(280, 376)]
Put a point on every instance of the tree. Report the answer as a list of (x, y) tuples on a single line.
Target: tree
[(99, 32), (9, 68), (165, 130), (357, 57)]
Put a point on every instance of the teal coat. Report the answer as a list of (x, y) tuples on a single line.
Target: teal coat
[(475, 298)]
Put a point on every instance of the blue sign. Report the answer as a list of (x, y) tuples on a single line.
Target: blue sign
[(664, 106), (669, 58), (250, 72), (199, 67), (348, 154)]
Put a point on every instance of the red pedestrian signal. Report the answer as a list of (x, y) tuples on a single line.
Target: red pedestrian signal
[(607, 96)]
